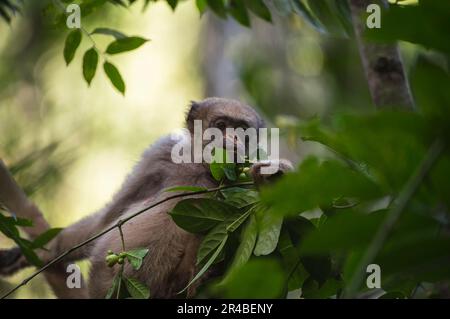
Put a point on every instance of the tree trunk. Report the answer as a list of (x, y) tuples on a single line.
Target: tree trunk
[(382, 63)]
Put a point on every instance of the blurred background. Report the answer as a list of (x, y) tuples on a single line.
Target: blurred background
[(70, 146)]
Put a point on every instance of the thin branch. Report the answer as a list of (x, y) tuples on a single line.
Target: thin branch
[(117, 225), (393, 215)]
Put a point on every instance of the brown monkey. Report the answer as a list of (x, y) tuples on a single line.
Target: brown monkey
[(170, 263)]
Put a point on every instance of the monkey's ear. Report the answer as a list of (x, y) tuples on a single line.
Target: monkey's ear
[(192, 114)]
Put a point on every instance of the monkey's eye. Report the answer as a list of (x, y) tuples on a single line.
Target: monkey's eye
[(221, 125)]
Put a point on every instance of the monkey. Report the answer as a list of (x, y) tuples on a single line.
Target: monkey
[(171, 261)]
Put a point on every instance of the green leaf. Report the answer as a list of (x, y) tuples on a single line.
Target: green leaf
[(90, 61), (239, 220), (406, 23), (282, 7), (259, 8), (137, 289), (326, 12), (431, 85), (390, 143), (136, 257), (291, 261), (217, 171), (240, 197), (247, 243), (185, 189), (318, 266), (22, 222), (46, 237), (239, 12), (269, 227), (211, 241), (301, 9), (313, 290), (9, 229), (114, 286), (318, 184), (114, 76), (230, 171), (107, 31), (71, 45), (201, 5), (125, 44), (263, 278), (90, 6), (222, 165), (346, 230), (218, 7), (200, 214), (172, 3), (208, 263)]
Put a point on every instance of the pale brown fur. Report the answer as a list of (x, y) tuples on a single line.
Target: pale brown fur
[(170, 263)]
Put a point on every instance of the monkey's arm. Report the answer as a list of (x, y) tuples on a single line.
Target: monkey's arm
[(144, 182), (15, 200)]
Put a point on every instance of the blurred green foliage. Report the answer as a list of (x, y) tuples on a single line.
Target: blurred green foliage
[(271, 246)]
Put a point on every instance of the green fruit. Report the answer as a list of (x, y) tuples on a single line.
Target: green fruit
[(111, 260), (242, 176)]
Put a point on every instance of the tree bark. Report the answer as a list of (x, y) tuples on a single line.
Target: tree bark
[(382, 63), (15, 200)]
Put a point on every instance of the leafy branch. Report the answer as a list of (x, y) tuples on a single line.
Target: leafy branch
[(117, 225), (394, 214)]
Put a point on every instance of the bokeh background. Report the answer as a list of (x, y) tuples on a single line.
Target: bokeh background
[(70, 146)]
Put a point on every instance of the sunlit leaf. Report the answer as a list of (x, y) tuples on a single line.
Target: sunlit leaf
[(71, 45), (125, 44), (90, 61), (107, 31), (114, 76)]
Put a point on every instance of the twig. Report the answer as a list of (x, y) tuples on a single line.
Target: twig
[(122, 264), (394, 214), (117, 225)]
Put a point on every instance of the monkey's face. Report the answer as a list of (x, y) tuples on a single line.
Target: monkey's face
[(223, 115)]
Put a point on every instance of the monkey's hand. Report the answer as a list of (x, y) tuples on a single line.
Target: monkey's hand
[(265, 172), (11, 261)]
